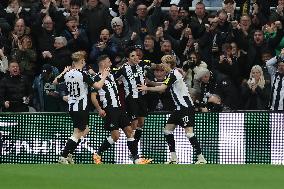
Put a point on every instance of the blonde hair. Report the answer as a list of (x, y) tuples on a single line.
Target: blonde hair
[(261, 81), (169, 59), (77, 56)]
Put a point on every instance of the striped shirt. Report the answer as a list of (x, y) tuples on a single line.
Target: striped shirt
[(277, 84), (132, 76), (178, 90), (108, 94), (77, 85)]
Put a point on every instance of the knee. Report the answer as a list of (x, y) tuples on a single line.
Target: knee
[(168, 132), (128, 132), (189, 135)]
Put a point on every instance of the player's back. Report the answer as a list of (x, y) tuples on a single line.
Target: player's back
[(77, 89), (179, 90)]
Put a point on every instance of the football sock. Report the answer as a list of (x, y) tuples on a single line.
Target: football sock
[(138, 134), (171, 142), (173, 155), (132, 146), (194, 142), (74, 147), (70, 144), (105, 145)]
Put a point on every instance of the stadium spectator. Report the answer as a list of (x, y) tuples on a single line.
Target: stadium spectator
[(255, 92), (103, 46), (143, 24), (26, 56), (151, 49), (77, 39), (14, 11), (259, 42), (240, 57), (43, 33), (278, 13), (42, 8), (122, 38), (206, 84), (230, 7), (228, 65), (183, 115), (95, 9), (198, 20), (20, 30), (270, 31), (46, 95), (3, 63), (15, 90), (167, 49), (176, 24), (61, 55), (191, 67)]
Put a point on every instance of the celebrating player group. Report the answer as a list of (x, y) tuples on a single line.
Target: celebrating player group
[(105, 97)]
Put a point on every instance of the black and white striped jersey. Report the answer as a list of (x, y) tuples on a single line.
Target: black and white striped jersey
[(77, 82), (277, 84), (132, 76), (178, 90), (108, 94)]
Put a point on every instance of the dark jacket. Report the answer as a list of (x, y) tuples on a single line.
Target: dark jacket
[(255, 101), (14, 89), (94, 20)]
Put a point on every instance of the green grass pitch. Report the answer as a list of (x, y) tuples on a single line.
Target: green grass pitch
[(53, 176)]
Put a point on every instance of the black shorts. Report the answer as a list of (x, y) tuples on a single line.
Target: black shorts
[(115, 118), (136, 107), (183, 117), (80, 119)]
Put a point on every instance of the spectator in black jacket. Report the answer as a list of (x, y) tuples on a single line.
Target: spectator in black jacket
[(255, 92), (60, 57), (43, 32), (95, 17), (77, 39), (259, 43), (15, 90)]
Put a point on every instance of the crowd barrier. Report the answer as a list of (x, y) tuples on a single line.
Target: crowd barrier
[(226, 138)]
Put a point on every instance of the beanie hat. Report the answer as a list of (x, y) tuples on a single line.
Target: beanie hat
[(116, 21)]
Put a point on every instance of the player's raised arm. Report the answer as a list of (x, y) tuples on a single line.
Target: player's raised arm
[(100, 84), (56, 80)]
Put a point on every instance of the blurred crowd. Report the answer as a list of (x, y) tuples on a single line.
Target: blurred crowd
[(231, 59)]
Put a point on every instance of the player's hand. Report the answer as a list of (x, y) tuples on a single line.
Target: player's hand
[(65, 98), (102, 113), (66, 69), (105, 72), (142, 87)]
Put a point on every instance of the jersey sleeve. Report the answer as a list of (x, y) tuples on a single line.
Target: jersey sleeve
[(170, 79), (61, 79), (117, 72), (146, 64), (87, 79), (96, 78)]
